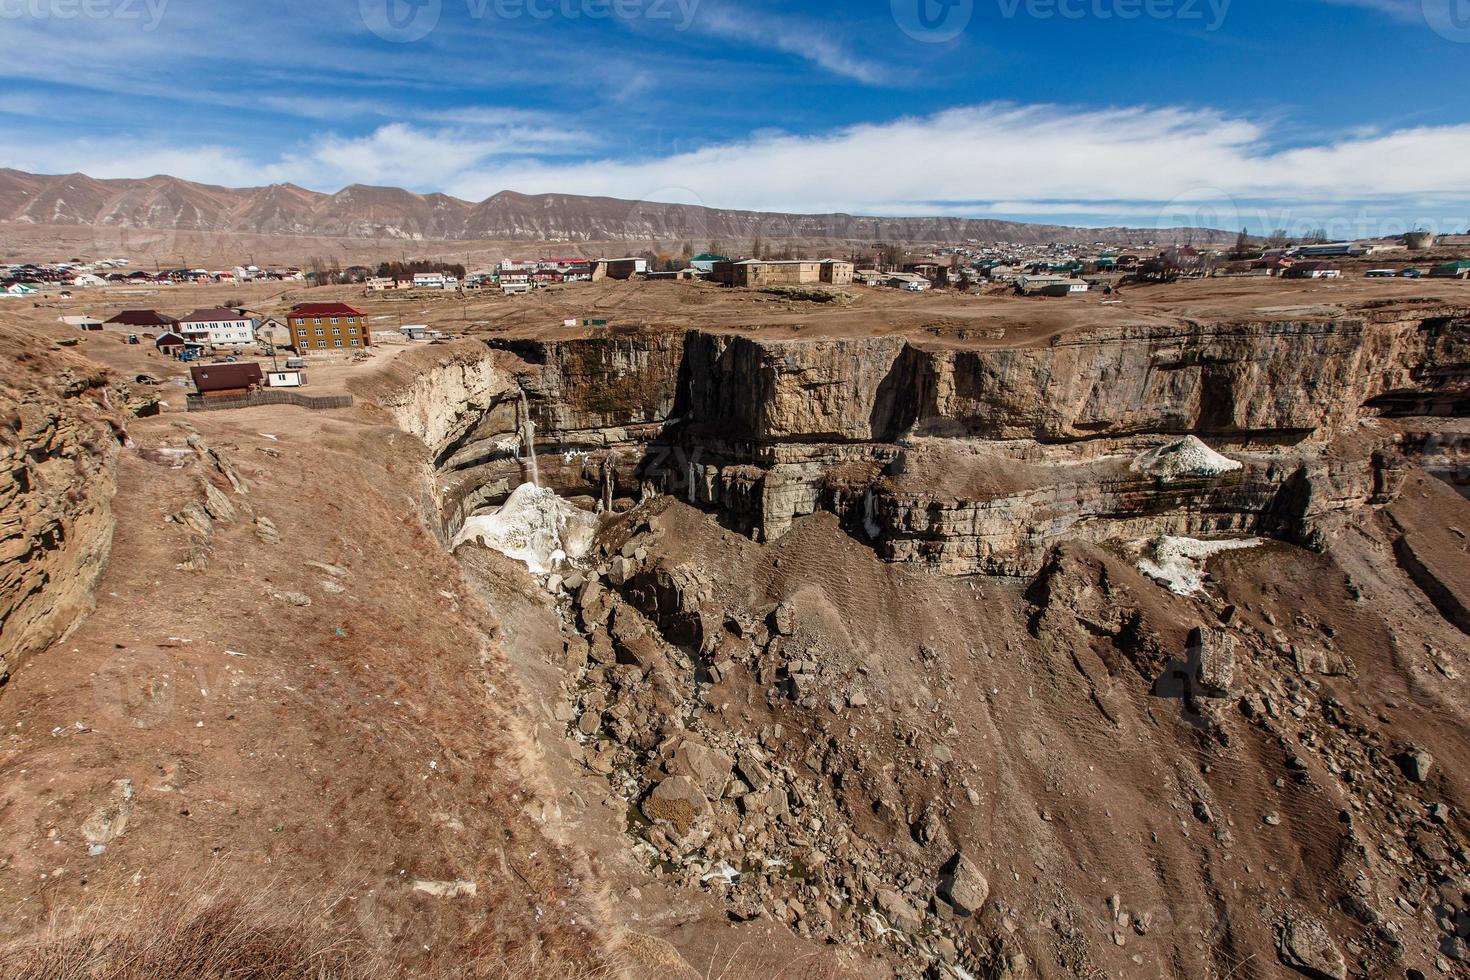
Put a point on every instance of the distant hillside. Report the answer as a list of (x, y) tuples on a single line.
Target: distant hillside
[(361, 212)]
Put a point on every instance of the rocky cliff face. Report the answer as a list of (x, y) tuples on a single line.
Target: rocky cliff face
[(62, 422), (968, 460)]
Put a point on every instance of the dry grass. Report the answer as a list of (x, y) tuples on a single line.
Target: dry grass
[(223, 939), (271, 935)]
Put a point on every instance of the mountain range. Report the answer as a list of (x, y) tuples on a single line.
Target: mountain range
[(377, 213)]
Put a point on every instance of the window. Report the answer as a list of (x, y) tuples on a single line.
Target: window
[(337, 343), (321, 344), (320, 332), (336, 331), (302, 331), (354, 341), (334, 319), (319, 320)]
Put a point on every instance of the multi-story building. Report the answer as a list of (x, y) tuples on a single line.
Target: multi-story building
[(317, 327), (790, 272), (218, 327)]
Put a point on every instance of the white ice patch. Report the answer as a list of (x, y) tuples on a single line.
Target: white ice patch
[(1188, 457), (724, 874), (533, 526), (1178, 564)]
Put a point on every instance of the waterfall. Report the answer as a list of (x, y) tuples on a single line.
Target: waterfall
[(528, 439), (870, 515)]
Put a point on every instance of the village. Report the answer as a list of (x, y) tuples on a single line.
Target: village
[(260, 334)]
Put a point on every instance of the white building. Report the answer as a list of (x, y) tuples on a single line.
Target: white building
[(910, 281), (434, 280), (88, 280), (218, 327)]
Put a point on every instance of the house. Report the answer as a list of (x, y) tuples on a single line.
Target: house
[(88, 280), (1380, 274), (218, 327), (836, 272), (706, 261), (434, 280), (415, 331), (132, 321), (224, 380), (1312, 270), (286, 379), (1273, 264), (1451, 270), (327, 326), (86, 324), (755, 273), (20, 289), (932, 271), (174, 344), (1050, 286), (908, 281), (1329, 249), (273, 333), (615, 268)]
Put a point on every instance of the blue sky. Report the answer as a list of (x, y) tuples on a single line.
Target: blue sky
[(1349, 114)]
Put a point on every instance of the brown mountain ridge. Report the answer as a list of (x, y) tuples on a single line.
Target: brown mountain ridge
[(364, 212)]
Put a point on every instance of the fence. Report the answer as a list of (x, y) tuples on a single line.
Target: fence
[(198, 403)]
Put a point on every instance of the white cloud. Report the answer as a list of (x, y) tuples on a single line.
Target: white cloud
[(1038, 153), (801, 40), (1148, 165)]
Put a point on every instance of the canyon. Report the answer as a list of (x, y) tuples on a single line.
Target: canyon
[(1124, 645)]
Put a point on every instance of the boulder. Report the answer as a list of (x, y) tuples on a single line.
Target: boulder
[(963, 886), (900, 913), (1416, 763), (1304, 944), (709, 768), (677, 801), (1212, 654), (783, 619)]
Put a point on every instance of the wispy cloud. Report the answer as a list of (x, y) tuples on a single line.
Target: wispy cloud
[(807, 41)]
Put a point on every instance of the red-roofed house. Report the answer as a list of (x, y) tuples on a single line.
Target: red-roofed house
[(327, 326), (136, 320), (224, 380)]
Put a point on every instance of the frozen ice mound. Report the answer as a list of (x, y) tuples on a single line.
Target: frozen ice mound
[(1178, 564), (535, 527), (1185, 458)]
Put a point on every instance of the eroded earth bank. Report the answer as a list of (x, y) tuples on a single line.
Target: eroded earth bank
[(1126, 652)]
